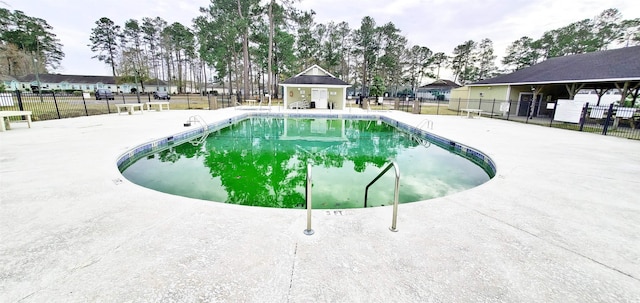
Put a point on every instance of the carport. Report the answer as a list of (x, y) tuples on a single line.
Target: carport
[(614, 71)]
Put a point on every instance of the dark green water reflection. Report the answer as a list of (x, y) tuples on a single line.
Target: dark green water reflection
[(262, 162)]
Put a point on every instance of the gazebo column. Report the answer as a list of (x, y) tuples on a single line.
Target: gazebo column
[(344, 98)]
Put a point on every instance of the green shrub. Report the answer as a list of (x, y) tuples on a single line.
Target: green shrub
[(378, 88)]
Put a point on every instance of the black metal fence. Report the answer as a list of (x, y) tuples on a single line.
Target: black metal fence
[(57, 105), (610, 120), (606, 120), (422, 106)]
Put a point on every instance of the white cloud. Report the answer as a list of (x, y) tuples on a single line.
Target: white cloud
[(396, 8)]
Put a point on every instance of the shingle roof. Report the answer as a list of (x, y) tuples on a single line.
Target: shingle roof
[(320, 80), (57, 78), (155, 82), (440, 84), (615, 64), (7, 78)]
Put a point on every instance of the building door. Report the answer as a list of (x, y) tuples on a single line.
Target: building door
[(319, 96), (524, 104)]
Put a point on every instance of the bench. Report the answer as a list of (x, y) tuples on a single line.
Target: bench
[(490, 114), (472, 110), (299, 105), (252, 102), (5, 125), (130, 107), (160, 105), (624, 113)]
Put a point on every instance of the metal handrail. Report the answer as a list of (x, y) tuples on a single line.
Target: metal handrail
[(395, 194), (429, 124), (197, 119), (424, 122), (205, 128), (308, 231)]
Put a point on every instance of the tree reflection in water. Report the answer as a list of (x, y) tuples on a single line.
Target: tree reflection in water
[(262, 161)]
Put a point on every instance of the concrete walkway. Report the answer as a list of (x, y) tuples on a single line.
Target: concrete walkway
[(560, 222)]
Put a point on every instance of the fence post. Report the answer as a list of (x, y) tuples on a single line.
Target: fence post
[(459, 101), (55, 102), (124, 101), (493, 107), (509, 111), (416, 106), (108, 107), (85, 103), (19, 95), (606, 122), (188, 102), (583, 117)]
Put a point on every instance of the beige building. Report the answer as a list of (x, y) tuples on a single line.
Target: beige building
[(315, 88), (615, 71)]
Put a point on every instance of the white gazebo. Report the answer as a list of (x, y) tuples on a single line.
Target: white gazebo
[(317, 88)]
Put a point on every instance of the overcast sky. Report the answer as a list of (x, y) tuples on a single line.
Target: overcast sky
[(438, 24)]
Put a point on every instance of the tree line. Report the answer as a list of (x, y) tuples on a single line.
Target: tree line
[(27, 44), (250, 46), (588, 35)]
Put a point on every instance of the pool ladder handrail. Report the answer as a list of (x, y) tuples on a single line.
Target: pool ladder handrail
[(308, 231), (396, 193), (205, 127), (426, 122), (429, 124)]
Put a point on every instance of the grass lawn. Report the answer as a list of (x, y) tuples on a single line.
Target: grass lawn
[(443, 109)]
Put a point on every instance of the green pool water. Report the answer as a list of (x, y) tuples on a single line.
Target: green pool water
[(262, 162)]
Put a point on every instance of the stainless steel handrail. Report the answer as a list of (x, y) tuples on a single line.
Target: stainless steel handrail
[(424, 122), (205, 128), (198, 119), (308, 231), (429, 124), (396, 193)]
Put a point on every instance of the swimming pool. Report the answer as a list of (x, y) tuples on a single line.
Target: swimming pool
[(260, 160)]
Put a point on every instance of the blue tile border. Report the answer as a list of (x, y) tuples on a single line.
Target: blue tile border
[(465, 151)]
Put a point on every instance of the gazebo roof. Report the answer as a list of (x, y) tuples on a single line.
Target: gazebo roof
[(315, 75), (323, 80)]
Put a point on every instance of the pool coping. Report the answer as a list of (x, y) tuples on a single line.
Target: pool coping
[(558, 223)]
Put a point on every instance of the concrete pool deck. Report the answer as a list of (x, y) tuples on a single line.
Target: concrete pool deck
[(560, 222)]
